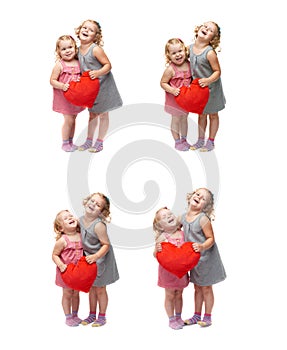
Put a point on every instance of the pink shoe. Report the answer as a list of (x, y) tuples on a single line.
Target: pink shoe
[(69, 147), (180, 321), (174, 324), (184, 141), (181, 146), (77, 320), (70, 322)]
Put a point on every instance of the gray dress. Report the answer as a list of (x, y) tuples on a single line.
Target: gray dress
[(107, 266), (209, 269), (108, 97), (200, 68)]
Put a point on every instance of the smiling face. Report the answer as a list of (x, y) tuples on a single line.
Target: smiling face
[(95, 205), (176, 53), (167, 220), (67, 222), (66, 49), (88, 32), (200, 199), (207, 31)]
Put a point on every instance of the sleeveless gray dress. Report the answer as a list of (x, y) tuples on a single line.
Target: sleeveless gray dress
[(200, 68), (107, 266), (108, 97), (209, 269)]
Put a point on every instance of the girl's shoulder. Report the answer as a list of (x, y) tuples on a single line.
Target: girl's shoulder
[(161, 238), (63, 240), (59, 64), (204, 219)]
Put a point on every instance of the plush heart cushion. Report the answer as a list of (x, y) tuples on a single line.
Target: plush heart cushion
[(83, 92), (193, 98), (80, 276), (177, 260)]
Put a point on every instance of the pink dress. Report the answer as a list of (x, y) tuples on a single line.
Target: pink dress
[(71, 254), (60, 103), (181, 78), (165, 278)]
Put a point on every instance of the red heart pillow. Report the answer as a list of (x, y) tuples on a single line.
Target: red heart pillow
[(177, 260), (84, 91), (80, 276), (193, 98)]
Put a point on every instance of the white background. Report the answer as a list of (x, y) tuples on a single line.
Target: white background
[(250, 305)]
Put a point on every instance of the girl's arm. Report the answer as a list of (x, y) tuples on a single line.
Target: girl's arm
[(214, 63), (105, 242), (164, 82), (58, 248), (157, 246), (55, 76), (100, 55), (208, 232)]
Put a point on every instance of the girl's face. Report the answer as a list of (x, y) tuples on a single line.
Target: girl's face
[(200, 199), (95, 205), (68, 222), (167, 220), (88, 32), (207, 31), (67, 50), (177, 54)]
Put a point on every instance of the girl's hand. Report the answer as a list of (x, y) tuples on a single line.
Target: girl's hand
[(203, 82), (176, 91), (91, 258), (158, 247), (93, 74), (197, 247), (63, 267), (65, 87)]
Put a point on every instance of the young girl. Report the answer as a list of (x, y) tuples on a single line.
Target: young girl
[(68, 249), (176, 75), (93, 58), (210, 270), (66, 69), (167, 229), (97, 248), (205, 65)]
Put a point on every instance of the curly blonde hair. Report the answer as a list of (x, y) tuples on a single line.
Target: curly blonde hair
[(62, 38), (209, 206), (58, 225), (174, 41), (105, 214), (215, 42), (98, 37)]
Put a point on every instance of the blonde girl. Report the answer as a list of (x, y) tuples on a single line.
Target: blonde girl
[(93, 59), (197, 228), (97, 248), (167, 229), (176, 74), (204, 64), (68, 249), (66, 69)]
